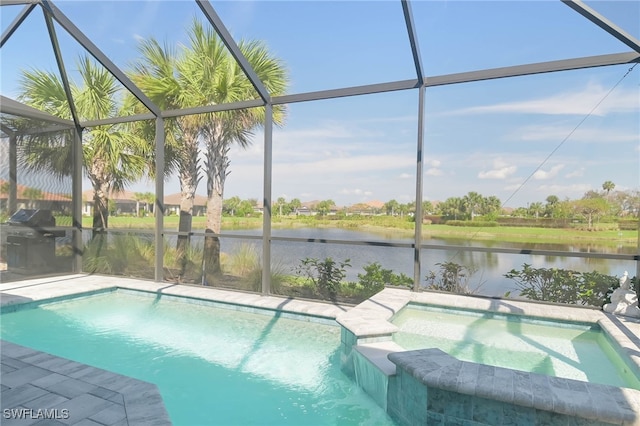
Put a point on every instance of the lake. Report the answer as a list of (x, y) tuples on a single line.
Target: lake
[(488, 280), (490, 268)]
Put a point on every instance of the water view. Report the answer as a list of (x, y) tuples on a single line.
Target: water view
[(490, 268)]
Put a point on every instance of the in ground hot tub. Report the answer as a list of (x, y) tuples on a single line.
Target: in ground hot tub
[(566, 349), (512, 371)]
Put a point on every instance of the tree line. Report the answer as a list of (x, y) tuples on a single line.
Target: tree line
[(592, 207)]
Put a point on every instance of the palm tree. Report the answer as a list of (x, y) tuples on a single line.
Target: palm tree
[(472, 202), (294, 205), (281, 202), (552, 203), (231, 205), (427, 207), (112, 156), (219, 79), (491, 205), (324, 207), (165, 77), (535, 209), (403, 209), (147, 198), (452, 207), (608, 186), (390, 207)]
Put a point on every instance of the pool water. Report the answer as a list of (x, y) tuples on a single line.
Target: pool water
[(212, 365), (571, 351)]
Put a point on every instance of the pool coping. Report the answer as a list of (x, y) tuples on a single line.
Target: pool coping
[(60, 287), (371, 329), (141, 402)]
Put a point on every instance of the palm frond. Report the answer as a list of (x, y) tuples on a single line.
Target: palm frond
[(44, 91)]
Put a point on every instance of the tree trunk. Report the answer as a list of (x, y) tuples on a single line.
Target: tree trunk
[(217, 162), (100, 208), (189, 178), (188, 192)]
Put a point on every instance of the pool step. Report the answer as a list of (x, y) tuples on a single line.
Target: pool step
[(377, 353)]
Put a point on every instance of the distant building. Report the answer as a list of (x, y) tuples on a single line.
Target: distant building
[(124, 202), (172, 204), (34, 198), (368, 208), (310, 208)]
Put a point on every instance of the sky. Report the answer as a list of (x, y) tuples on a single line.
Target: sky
[(520, 139)]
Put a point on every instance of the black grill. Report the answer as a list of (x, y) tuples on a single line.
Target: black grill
[(31, 246)]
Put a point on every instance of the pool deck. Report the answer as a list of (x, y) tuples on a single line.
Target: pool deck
[(37, 384), (39, 388)]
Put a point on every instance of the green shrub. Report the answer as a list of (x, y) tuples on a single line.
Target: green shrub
[(253, 278), (595, 288), (628, 224), (563, 285), (185, 265), (243, 260), (326, 274), (120, 254), (451, 277), (376, 277), (546, 284), (472, 223)]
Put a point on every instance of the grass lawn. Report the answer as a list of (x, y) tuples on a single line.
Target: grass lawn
[(400, 227)]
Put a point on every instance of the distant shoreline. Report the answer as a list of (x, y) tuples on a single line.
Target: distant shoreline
[(394, 227)]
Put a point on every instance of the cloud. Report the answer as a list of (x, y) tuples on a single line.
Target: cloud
[(326, 132), (405, 176), (576, 102), (553, 172), (356, 191), (433, 168), (576, 189), (398, 119), (501, 173), (501, 170), (351, 164), (575, 173), (583, 134)]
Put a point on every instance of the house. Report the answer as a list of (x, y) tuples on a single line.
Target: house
[(369, 208), (172, 204), (34, 198), (309, 208), (124, 202)]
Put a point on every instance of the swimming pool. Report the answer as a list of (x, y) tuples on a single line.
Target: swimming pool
[(568, 350), (212, 365)]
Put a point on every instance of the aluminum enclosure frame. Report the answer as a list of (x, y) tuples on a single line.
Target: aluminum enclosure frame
[(420, 83)]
